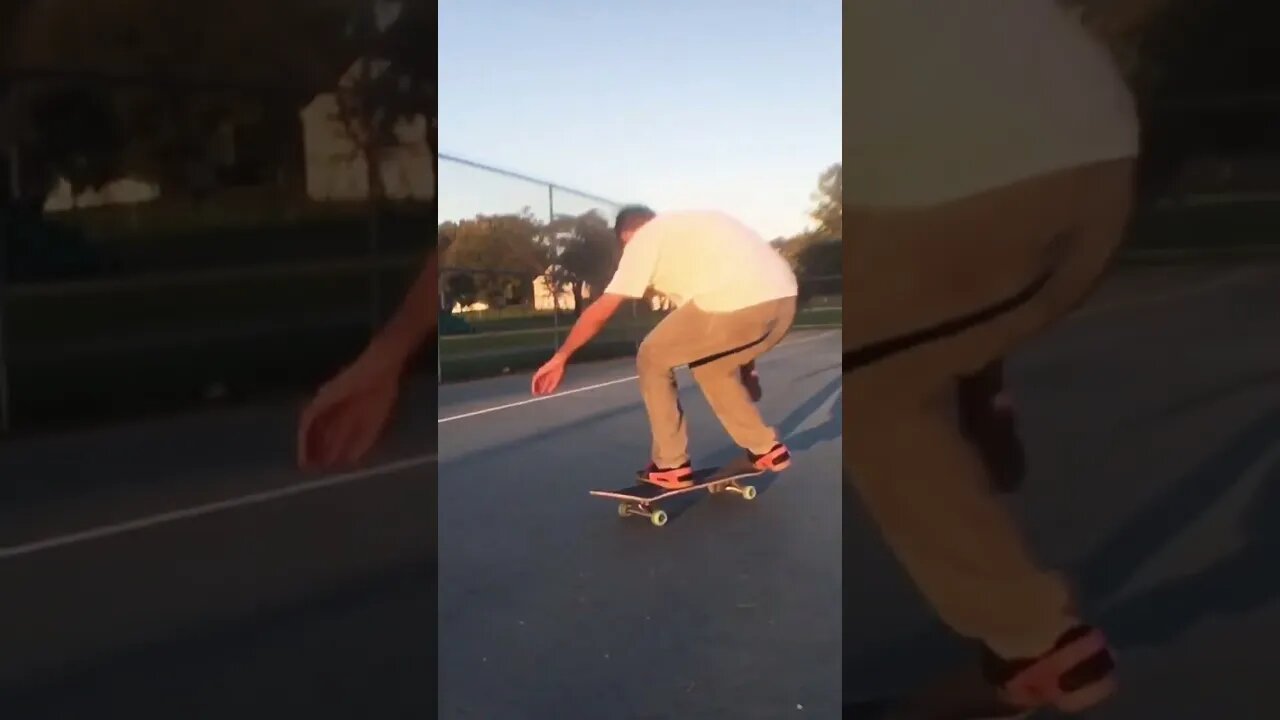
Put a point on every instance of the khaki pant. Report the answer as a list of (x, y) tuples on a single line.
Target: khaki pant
[(935, 293), (714, 346)]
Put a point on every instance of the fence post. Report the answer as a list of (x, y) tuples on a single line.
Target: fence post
[(554, 283), (440, 308), (373, 179), (375, 280), (4, 360), (635, 324), (14, 193)]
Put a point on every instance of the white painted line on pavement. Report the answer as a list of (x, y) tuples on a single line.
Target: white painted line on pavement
[(1192, 549), (258, 498), (597, 386), (508, 406)]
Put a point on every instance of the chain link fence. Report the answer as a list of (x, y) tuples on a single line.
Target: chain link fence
[(260, 261), (521, 257)]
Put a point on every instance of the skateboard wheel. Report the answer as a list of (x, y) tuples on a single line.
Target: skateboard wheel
[(748, 492), (658, 518), (624, 510)]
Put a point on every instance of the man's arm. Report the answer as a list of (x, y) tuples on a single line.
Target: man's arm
[(414, 321), (630, 281), (589, 324)]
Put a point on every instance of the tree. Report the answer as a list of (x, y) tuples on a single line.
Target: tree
[(509, 243), (157, 82), (820, 257), (586, 255), (391, 86), (510, 247), (829, 199), (303, 44), (460, 288)]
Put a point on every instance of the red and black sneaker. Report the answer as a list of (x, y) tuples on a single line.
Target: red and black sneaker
[(674, 478), (1077, 674), (776, 460), (751, 381)]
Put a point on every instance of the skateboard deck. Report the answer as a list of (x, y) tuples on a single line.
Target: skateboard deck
[(640, 499)]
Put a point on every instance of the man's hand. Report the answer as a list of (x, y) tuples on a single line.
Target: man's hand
[(349, 413), (548, 377)]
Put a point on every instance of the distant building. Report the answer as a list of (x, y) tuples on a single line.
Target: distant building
[(478, 306), (544, 298), (125, 191), (334, 166), (336, 169)]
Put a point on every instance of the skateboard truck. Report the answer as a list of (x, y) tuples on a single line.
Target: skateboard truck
[(639, 500)]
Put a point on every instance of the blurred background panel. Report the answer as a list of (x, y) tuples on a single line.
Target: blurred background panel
[(198, 205)]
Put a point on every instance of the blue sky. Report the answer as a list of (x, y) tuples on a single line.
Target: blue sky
[(732, 106)]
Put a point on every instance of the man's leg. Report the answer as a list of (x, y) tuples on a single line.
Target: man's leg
[(934, 295), (720, 379), (656, 362), (691, 336)]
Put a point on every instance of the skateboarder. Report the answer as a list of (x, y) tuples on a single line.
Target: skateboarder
[(735, 299), (995, 145), (346, 417)]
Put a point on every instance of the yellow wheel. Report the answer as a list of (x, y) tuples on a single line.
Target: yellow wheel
[(624, 510), (658, 518), (749, 492)]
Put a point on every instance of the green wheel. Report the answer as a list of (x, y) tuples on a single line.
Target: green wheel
[(624, 510), (658, 518), (749, 492)]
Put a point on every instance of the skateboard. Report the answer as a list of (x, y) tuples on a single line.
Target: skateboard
[(640, 499)]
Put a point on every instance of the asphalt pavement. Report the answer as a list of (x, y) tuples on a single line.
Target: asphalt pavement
[(181, 568), (551, 606), (1152, 420)]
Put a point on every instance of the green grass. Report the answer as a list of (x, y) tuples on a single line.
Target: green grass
[(123, 349), (485, 354), (233, 229), (73, 390), (40, 320), (253, 209)]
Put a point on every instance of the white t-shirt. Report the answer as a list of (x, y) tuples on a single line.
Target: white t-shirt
[(948, 98), (703, 257)]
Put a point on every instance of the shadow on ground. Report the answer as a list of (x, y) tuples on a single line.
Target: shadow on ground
[(830, 429), (356, 631)]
